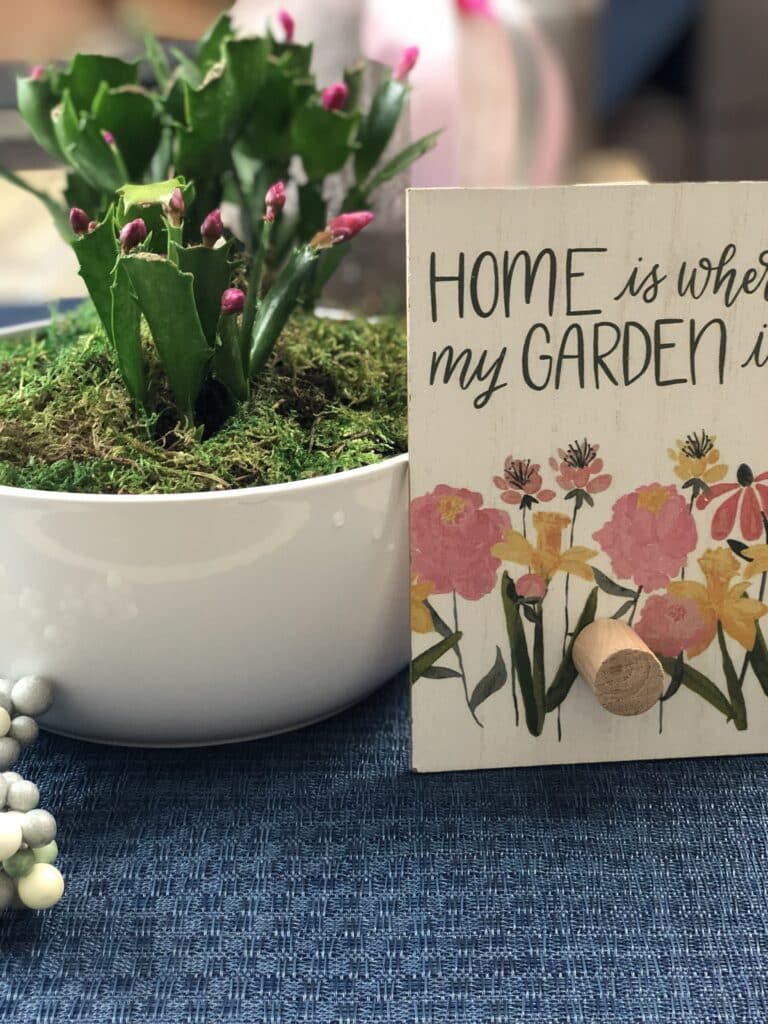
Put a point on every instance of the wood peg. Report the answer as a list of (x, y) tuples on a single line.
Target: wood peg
[(624, 674)]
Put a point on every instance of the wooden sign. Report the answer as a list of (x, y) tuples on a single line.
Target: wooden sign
[(588, 441)]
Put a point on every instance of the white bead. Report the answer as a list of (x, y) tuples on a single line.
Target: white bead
[(32, 695), (10, 834), (5, 722), (41, 888)]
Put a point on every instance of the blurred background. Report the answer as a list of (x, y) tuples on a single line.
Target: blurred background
[(528, 92)]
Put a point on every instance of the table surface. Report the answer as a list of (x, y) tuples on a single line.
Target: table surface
[(312, 878)]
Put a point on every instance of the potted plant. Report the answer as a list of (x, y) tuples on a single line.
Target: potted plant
[(146, 566)]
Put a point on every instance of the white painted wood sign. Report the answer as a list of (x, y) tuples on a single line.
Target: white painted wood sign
[(588, 439)]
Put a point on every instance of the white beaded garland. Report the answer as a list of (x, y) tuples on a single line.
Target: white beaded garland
[(24, 730), (23, 796), (9, 751), (41, 888), (5, 722), (10, 835), (32, 695)]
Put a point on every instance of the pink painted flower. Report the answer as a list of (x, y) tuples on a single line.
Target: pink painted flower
[(451, 540), (334, 97), (522, 484), (649, 536), (749, 496), (670, 624), (287, 24), (579, 468), (406, 63), (531, 585)]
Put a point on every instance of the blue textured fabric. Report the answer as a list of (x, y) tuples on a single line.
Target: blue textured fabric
[(312, 878)]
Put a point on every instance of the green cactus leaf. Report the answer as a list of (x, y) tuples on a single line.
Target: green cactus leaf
[(166, 298), (85, 149), (96, 254), (125, 335), (353, 79), (87, 71), (402, 161), (211, 45), (211, 272), (323, 138), (278, 304), (379, 125), (158, 192), (36, 100), (228, 359), (132, 117)]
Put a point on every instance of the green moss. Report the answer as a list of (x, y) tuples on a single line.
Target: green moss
[(333, 398)]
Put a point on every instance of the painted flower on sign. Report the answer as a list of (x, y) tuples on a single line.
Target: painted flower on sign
[(649, 536), (671, 624), (522, 484), (421, 620), (748, 498), (546, 557), (580, 469), (721, 600), (697, 461), (451, 540)]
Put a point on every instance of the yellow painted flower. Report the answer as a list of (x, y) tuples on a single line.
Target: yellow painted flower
[(546, 557), (721, 600), (696, 459), (421, 620), (758, 554)]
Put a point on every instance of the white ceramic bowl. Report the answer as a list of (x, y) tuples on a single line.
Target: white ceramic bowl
[(206, 618)]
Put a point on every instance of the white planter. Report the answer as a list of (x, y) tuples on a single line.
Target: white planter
[(206, 618)]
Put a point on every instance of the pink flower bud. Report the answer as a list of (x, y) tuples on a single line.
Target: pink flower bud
[(132, 234), (79, 221), (175, 207), (92, 225), (37, 72), (232, 301), (274, 200), (406, 63), (532, 586), (212, 228), (347, 225), (335, 96), (287, 24), (482, 8), (108, 137)]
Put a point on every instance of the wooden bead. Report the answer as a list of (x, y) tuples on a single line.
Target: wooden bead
[(624, 674)]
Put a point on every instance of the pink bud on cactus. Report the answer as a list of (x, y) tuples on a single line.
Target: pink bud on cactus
[(274, 200), (287, 24), (347, 225), (108, 137), (212, 228), (406, 63), (37, 72), (232, 301), (482, 8), (132, 234), (335, 96), (79, 221)]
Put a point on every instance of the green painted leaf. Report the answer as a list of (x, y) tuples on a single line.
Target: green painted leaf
[(97, 254), (735, 693), (88, 70), (699, 684), (403, 160), (427, 658), (36, 100), (622, 610), (758, 659), (676, 680), (518, 647), (566, 674), (491, 682), (211, 272), (379, 125), (166, 298), (437, 672), (607, 585), (132, 117), (323, 138), (126, 336), (278, 304), (440, 626)]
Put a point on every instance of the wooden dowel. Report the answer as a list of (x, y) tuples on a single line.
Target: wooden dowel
[(624, 674)]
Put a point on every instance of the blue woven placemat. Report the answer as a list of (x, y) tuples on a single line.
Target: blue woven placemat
[(312, 878)]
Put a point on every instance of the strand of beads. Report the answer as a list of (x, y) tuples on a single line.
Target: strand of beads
[(28, 877)]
